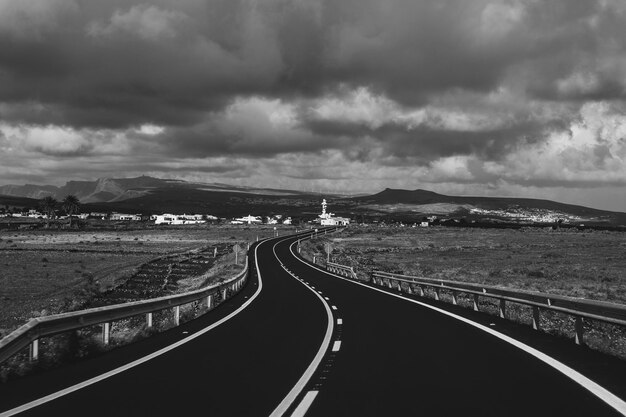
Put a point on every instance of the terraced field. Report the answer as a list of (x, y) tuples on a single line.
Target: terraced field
[(160, 277), (47, 272)]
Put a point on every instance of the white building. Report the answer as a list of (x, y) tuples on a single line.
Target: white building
[(328, 219), (177, 219), (124, 216), (248, 220)]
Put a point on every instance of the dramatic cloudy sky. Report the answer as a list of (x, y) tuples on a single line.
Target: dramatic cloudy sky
[(510, 97)]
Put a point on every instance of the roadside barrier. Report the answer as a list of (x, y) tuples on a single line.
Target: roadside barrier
[(580, 309), (30, 333), (346, 271)]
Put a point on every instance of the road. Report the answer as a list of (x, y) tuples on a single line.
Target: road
[(299, 341)]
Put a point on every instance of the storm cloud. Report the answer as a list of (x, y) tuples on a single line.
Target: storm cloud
[(506, 97)]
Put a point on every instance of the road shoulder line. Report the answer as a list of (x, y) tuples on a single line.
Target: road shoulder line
[(113, 372), (596, 389)]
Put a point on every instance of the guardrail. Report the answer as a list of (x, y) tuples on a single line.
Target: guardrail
[(579, 308), (344, 270), (35, 329), (314, 233)]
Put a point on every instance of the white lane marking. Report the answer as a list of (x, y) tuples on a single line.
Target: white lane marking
[(304, 405), (308, 373), (334, 307), (139, 361), (339, 321), (336, 345), (596, 389)]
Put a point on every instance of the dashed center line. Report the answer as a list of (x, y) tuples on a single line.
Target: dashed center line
[(327, 299), (339, 321), (336, 345), (334, 307)]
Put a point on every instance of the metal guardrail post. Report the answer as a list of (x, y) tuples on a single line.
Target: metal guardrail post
[(106, 333), (209, 301), (579, 330), (34, 350), (536, 318), (176, 315), (148, 320)]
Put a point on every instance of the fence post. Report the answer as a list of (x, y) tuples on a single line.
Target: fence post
[(209, 300), (578, 327), (224, 294), (176, 315), (475, 302), (502, 309), (149, 319), (34, 350), (106, 333), (536, 318)]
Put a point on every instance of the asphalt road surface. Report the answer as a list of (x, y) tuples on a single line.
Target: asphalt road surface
[(297, 340)]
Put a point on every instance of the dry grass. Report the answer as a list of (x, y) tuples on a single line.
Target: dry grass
[(584, 264), (44, 272), (578, 264)]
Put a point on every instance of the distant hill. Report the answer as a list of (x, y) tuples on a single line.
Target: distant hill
[(503, 208), (20, 202), (218, 203), (106, 190), (150, 195)]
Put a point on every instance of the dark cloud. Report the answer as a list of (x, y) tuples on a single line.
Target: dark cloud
[(119, 64), (397, 83)]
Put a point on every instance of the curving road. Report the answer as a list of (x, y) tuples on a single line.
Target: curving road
[(298, 341)]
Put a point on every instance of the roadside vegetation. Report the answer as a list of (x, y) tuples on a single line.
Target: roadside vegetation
[(585, 264), (48, 272), (45, 273)]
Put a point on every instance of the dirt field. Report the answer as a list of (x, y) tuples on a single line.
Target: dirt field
[(579, 264), (45, 272), (585, 264)]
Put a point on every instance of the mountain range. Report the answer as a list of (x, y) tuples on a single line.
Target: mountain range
[(108, 190), (150, 195)]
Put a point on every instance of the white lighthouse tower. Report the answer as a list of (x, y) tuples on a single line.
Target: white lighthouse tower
[(328, 219)]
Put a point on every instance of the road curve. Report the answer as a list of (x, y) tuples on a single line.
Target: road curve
[(245, 366), (398, 358), (313, 344)]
